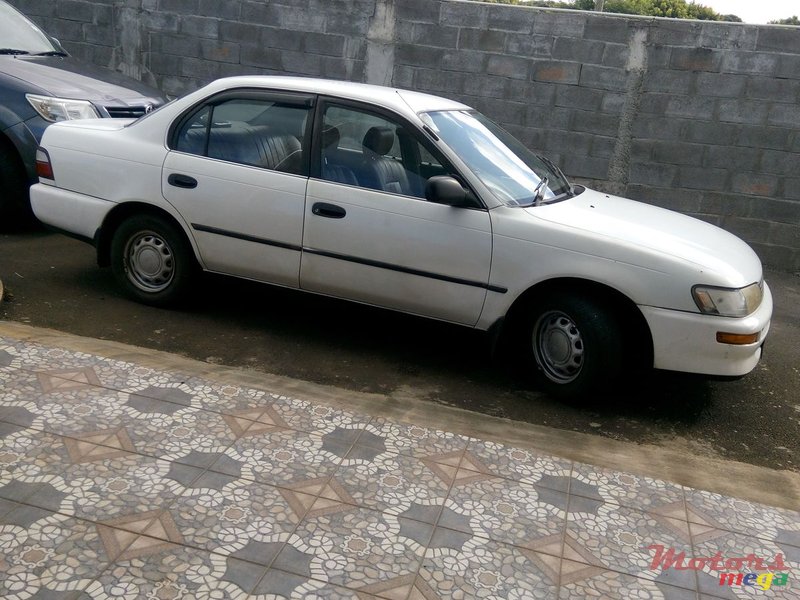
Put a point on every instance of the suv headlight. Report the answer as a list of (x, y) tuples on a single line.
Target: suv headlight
[(62, 109), (728, 302)]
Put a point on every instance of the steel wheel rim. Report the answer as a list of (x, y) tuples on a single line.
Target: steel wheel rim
[(558, 346), (149, 262)]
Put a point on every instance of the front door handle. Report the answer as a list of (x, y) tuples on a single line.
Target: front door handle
[(182, 181), (331, 211)]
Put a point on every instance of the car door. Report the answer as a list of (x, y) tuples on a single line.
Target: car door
[(370, 235), (237, 173)]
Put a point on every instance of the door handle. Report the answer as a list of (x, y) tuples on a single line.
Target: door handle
[(331, 211), (182, 181)]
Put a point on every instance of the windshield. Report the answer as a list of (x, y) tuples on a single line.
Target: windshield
[(513, 173), (18, 35)]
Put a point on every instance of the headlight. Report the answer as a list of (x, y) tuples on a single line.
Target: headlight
[(62, 109), (728, 302)]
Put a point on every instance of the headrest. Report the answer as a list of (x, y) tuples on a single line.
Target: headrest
[(330, 138), (379, 139)]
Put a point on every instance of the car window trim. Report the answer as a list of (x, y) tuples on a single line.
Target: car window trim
[(288, 97), (315, 171)]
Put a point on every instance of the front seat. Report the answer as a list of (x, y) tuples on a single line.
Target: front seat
[(332, 169), (385, 173)]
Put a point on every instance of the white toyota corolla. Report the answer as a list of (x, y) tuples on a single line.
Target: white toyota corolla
[(410, 202)]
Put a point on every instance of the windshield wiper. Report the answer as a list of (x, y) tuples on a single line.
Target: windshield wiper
[(51, 53), (557, 170), (13, 51), (538, 192)]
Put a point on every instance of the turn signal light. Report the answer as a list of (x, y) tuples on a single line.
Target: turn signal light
[(43, 167), (737, 339)]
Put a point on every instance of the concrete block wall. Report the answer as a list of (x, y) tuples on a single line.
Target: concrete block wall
[(700, 117)]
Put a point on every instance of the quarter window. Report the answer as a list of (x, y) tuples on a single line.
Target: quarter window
[(269, 134)]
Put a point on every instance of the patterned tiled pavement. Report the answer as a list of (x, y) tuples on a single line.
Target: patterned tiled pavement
[(118, 481)]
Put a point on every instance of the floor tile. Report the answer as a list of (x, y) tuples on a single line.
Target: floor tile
[(734, 514), (285, 456), (356, 547), (98, 482), (281, 584), (507, 511), (619, 538), (580, 581), (157, 570), (739, 554), (47, 554), (389, 482), (236, 512), (129, 377), (29, 451), (18, 386), (31, 356), (633, 491), (517, 463), (315, 418), (226, 398), (413, 440), (480, 568)]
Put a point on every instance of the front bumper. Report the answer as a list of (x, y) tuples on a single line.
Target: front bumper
[(687, 342)]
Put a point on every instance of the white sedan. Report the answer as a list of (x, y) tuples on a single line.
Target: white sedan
[(410, 202)]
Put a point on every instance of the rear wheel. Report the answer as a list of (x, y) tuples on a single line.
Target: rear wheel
[(152, 260), (573, 344)]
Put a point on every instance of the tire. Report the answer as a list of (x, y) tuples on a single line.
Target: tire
[(15, 207), (573, 345), (152, 260)]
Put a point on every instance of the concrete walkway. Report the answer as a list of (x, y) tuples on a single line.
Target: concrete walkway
[(129, 474)]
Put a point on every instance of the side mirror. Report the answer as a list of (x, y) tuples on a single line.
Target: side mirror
[(444, 189)]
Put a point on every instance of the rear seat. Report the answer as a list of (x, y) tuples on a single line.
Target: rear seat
[(252, 145)]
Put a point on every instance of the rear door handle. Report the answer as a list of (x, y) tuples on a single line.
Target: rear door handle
[(331, 211), (182, 181)]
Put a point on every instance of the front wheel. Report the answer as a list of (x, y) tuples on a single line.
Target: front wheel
[(574, 344), (152, 260)]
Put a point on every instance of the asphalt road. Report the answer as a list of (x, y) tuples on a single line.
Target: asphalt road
[(53, 281)]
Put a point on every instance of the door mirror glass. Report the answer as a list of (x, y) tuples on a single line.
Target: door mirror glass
[(444, 189)]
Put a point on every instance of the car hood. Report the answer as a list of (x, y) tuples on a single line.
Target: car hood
[(721, 256), (68, 77)]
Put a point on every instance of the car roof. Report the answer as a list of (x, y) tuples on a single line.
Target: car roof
[(393, 98)]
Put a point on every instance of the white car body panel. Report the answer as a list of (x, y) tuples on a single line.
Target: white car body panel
[(259, 205), (466, 266), (406, 233), (720, 258), (78, 214)]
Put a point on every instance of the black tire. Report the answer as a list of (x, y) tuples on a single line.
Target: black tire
[(15, 206), (152, 260), (573, 345)]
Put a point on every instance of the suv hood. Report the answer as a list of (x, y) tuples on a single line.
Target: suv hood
[(707, 248), (67, 77)]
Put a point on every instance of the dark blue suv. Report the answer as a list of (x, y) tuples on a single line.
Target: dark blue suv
[(41, 84)]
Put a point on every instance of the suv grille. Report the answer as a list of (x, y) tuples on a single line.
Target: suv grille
[(126, 112)]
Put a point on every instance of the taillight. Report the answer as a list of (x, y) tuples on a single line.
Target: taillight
[(43, 167)]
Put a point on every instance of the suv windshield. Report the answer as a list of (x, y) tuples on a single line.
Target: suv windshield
[(513, 173), (18, 35)]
